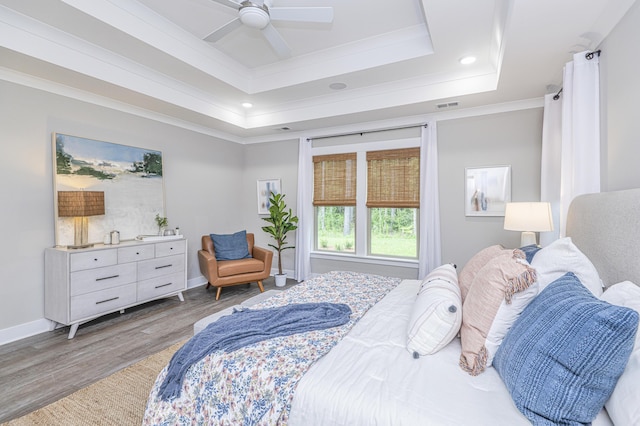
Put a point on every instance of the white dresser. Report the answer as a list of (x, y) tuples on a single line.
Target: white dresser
[(81, 285)]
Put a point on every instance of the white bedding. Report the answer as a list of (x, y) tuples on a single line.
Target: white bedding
[(370, 378)]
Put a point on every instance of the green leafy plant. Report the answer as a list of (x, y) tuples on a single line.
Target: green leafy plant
[(162, 222), (281, 222)]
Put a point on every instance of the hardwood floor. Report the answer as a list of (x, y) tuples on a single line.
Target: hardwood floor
[(41, 369)]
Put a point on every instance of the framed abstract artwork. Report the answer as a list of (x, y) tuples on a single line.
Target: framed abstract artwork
[(487, 190), (265, 188)]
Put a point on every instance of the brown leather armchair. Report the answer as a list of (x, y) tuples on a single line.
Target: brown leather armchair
[(223, 273)]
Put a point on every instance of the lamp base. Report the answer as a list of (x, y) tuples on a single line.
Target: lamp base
[(528, 238), (81, 246), (81, 233)]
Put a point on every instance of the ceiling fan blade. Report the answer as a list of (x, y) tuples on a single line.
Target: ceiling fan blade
[(224, 30), (229, 3), (302, 14), (277, 42)]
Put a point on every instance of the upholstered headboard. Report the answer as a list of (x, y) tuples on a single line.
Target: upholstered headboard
[(606, 228)]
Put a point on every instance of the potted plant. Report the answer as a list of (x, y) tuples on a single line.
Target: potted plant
[(281, 222), (162, 223)]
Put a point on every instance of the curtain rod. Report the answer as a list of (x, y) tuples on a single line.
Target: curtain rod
[(589, 56), (365, 132)]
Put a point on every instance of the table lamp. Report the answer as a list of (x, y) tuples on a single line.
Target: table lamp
[(528, 218), (80, 205)]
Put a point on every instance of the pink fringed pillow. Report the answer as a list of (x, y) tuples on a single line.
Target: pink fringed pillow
[(474, 265), (500, 291)]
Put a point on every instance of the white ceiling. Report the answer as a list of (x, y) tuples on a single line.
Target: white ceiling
[(397, 58)]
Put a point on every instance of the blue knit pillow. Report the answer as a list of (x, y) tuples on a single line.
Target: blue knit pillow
[(530, 251), (231, 246), (563, 356)]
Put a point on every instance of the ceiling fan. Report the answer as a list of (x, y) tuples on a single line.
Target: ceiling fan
[(259, 14)]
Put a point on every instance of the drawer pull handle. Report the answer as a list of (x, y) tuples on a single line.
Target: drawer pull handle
[(95, 259), (164, 266), (107, 278), (108, 300), (163, 285), (137, 252)]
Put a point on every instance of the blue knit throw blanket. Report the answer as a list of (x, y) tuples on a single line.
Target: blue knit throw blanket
[(246, 327)]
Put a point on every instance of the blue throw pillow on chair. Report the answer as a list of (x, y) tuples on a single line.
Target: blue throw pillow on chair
[(231, 246), (563, 356)]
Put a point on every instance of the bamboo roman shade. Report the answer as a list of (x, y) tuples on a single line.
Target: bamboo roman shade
[(334, 180), (393, 178)]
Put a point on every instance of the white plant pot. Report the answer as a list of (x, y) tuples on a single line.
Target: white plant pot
[(281, 280)]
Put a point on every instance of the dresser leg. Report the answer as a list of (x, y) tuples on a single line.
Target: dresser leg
[(181, 297), (72, 330)]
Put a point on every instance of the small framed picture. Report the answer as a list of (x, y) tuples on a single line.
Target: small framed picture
[(265, 188), (487, 190)]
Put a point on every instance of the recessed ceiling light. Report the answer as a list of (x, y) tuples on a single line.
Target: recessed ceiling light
[(467, 60), (337, 86), (247, 104)]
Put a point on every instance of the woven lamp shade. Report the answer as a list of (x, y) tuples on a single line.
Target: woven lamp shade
[(80, 203)]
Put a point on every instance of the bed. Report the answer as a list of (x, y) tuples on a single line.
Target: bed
[(362, 373)]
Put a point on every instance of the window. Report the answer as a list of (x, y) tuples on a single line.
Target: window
[(334, 198), (393, 199), (366, 202)]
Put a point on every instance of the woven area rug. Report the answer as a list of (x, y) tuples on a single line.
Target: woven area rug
[(117, 400)]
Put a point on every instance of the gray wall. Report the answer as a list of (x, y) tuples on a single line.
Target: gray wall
[(203, 180), (209, 180), (274, 160), (513, 138), (620, 91)]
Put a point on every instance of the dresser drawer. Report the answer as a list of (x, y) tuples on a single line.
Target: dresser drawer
[(135, 253), (170, 248), (100, 278), (162, 266), (92, 259), (98, 302), (156, 287)]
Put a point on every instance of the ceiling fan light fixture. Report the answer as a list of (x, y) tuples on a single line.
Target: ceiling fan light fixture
[(254, 16)]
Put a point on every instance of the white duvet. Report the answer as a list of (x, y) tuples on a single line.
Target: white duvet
[(370, 378)]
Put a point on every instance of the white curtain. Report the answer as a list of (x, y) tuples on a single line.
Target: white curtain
[(304, 211), (430, 247), (571, 141)]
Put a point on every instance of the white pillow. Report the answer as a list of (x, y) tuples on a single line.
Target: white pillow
[(562, 256), (437, 312), (624, 404), (506, 316)]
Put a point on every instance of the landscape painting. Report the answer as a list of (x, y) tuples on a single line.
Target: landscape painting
[(130, 177)]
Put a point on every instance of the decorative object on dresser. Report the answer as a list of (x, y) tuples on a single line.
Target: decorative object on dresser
[(528, 218), (282, 221), (84, 284), (80, 205)]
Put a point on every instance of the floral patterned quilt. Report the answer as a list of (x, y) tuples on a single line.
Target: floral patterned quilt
[(255, 385)]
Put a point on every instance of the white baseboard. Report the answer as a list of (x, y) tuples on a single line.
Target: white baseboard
[(22, 331), (196, 282)]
